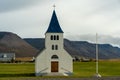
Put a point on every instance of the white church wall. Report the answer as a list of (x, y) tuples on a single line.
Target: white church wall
[(41, 64), (66, 63)]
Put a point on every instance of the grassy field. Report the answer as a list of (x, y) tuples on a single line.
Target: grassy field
[(81, 69), (106, 68), (16, 70)]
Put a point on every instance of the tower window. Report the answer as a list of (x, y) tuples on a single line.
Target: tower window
[(57, 37), (51, 37), (52, 47), (56, 47), (54, 37)]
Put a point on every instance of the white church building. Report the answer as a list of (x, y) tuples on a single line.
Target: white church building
[(53, 59)]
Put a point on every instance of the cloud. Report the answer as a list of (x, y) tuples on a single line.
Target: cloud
[(102, 39), (79, 19), (11, 5)]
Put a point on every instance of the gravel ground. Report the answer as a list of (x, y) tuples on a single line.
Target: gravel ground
[(103, 78)]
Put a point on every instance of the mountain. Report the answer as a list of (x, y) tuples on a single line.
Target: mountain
[(81, 48), (38, 43), (28, 47), (10, 42)]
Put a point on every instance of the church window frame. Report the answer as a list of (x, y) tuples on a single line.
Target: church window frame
[(51, 37), (54, 37), (56, 47), (54, 57), (52, 47), (57, 37)]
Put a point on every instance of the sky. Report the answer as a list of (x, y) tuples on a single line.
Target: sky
[(79, 19)]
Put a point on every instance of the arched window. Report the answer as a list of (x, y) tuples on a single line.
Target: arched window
[(54, 37), (57, 37), (56, 47), (54, 57), (52, 47), (51, 37)]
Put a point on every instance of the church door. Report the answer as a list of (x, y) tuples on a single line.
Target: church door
[(54, 66)]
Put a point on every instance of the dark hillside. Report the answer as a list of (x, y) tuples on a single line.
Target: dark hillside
[(81, 48), (38, 43), (10, 42)]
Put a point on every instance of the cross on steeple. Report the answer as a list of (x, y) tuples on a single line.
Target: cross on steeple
[(54, 6)]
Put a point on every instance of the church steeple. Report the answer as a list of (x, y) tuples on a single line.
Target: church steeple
[(54, 26)]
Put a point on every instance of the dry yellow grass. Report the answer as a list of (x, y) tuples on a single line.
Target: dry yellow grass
[(24, 59)]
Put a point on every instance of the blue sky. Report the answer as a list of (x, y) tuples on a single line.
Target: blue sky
[(79, 19)]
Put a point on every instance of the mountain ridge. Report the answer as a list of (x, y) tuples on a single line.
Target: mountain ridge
[(12, 43), (29, 47), (81, 48)]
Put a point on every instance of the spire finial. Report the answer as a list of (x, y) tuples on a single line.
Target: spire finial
[(54, 6)]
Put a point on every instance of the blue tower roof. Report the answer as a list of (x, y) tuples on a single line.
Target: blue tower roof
[(54, 26)]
